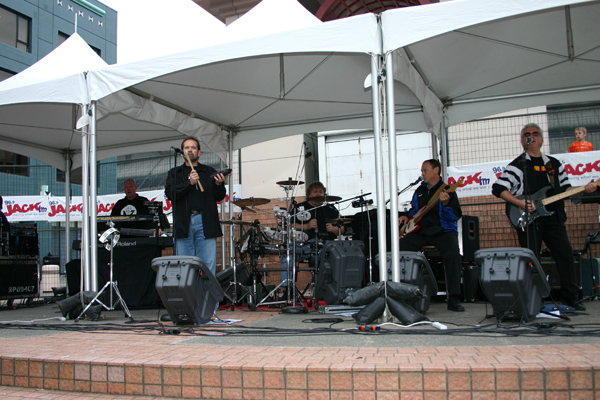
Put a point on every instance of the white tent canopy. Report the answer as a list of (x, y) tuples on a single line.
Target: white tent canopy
[(39, 108), (284, 83), (493, 56)]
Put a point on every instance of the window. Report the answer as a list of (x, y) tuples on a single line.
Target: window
[(63, 36), (15, 29), (16, 164)]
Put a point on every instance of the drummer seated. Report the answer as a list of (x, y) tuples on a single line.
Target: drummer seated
[(316, 218)]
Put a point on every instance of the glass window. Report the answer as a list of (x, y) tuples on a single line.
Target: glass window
[(16, 164), (15, 29)]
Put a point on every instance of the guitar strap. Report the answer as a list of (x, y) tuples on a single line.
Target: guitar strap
[(551, 173), (437, 194)]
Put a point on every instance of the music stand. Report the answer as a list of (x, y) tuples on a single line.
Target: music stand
[(109, 238)]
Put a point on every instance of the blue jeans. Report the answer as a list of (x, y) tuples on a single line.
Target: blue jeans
[(197, 245)]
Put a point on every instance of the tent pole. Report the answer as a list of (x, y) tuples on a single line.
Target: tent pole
[(377, 139), (445, 155), (391, 124), (93, 202), (85, 221), (231, 227), (223, 242), (68, 206)]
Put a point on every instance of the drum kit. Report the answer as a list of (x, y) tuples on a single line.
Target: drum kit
[(286, 239)]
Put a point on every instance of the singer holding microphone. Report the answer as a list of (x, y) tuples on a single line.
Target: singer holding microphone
[(526, 175), (437, 227), (195, 189)]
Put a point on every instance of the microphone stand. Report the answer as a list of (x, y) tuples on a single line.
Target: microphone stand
[(174, 202), (419, 179), (364, 208)]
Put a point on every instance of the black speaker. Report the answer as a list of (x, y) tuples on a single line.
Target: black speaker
[(341, 270), (73, 270), (19, 278), (187, 288), (243, 278), (415, 270), (470, 237), (513, 282), (551, 271)]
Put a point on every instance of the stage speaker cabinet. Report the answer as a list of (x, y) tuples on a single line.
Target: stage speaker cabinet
[(187, 288), (23, 240), (590, 277), (513, 282), (470, 237), (243, 278), (551, 271), (19, 277), (341, 270), (415, 270)]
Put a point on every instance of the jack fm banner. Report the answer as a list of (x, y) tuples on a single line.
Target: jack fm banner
[(53, 208)]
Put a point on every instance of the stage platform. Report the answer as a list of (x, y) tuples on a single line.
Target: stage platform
[(271, 355)]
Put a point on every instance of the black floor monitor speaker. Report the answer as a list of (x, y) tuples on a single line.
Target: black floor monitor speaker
[(470, 237), (415, 270), (187, 288), (341, 270), (243, 278), (513, 282), (551, 271)]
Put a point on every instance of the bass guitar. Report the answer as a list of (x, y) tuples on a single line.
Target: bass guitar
[(412, 224), (517, 216)]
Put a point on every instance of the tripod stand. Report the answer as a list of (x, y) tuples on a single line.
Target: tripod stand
[(110, 238)]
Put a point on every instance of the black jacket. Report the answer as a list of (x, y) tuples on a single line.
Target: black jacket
[(180, 192)]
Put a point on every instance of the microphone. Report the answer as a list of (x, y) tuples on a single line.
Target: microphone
[(178, 150), (529, 140), (419, 179)]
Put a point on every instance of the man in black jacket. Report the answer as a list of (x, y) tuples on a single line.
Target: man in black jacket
[(194, 195), (527, 174), (438, 227)]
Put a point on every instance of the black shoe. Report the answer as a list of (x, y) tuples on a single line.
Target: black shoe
[(454, 304), (578, 306)]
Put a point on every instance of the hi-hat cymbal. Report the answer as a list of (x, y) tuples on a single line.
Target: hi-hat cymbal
[(289, 182), (340, 221), (325, 199), (235, 222), (250, 202)]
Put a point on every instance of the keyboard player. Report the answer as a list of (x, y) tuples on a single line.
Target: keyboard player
[(132, 203)]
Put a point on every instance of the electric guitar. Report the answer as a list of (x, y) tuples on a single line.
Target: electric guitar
[(412, 225), (517, 216)]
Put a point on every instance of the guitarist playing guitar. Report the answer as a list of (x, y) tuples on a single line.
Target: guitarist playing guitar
[(525, 179), (436, 209)]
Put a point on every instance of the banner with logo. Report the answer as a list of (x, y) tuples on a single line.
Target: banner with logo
[(53, 209), (581, 168)]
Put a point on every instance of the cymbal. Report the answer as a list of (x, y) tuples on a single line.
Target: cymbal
[(327, 198), (289, 182), (340, 221), (250, 202), (235, 222)]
